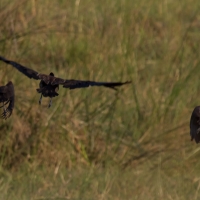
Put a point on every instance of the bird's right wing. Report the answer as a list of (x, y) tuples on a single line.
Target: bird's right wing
[(25, 70), (73, 84)]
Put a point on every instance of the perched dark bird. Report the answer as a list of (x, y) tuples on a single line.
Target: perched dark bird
[(7, 95), (49, 84), (195, 124)]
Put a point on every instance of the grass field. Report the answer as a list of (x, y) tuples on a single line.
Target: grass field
[(96, 143)]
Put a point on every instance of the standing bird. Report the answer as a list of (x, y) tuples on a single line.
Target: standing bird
[(7, 95), (49, 84), (195, 124)]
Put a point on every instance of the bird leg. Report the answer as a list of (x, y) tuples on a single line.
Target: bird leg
[(50, 103), (40, 100)]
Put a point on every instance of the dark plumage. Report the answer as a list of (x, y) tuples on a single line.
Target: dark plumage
[(7, 95), (195, 124), (49, 84)]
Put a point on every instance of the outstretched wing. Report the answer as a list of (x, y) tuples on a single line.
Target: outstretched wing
[(25, 70), (48, 79), (73, 84)]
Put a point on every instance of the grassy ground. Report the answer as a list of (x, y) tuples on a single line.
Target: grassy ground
[(95, 143)]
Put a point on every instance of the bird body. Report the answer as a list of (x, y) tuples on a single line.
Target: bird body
[(48, 90), (49, 84), (7, 95)]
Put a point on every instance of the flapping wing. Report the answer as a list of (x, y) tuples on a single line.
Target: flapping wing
[(10, 98), (195, 125), (3, 89), (6, 92), (8, 111), (73, 84), (25, 70)]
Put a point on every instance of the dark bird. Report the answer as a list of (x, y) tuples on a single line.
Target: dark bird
[(195, 125), (49, 84), (7, 95)]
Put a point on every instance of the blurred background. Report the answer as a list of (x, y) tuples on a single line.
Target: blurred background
[(96, 143)]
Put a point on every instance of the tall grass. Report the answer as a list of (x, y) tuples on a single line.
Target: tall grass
[(95, 143)]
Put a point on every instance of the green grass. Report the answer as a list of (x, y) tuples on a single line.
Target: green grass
[(95, 143)]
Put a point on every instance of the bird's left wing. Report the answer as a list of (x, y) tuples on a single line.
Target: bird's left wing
[(25, 70)]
